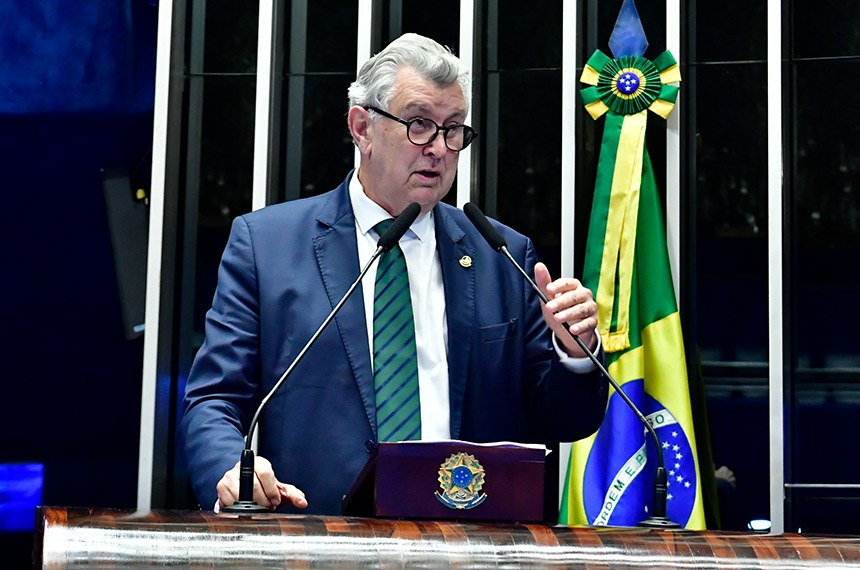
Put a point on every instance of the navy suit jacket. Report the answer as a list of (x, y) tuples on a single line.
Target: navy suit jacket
[(284, 269)]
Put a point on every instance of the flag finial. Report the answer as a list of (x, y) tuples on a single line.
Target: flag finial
[(628, 35)]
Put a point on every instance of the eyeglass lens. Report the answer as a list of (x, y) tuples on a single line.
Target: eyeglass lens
[(421, 131)]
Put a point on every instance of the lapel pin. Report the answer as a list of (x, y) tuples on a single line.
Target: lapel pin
[(466, 261)]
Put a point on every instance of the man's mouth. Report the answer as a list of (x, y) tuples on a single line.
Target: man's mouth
[(428, 174)]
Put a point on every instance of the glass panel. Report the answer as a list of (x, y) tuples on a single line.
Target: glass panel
[(729, 31), (226, 148), (529, 158), (332, 36), (439, 20), (826, 217), (739, 431), (825, 28), (327, 150), (225, 175), (824, 511), (529, 37), (823, 451), (231, 35), (731, 198), (729, 115), (316, 148), (825, 223)]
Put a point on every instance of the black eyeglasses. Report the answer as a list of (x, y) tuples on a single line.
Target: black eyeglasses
[(421, 131)]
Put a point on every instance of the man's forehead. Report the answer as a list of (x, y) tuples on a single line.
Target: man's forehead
[(417, 94), (424, 107)]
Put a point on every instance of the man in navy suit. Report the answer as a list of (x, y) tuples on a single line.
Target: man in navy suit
[(493, 364)]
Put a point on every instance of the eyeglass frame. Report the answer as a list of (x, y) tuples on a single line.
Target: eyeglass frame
[(468, 132)]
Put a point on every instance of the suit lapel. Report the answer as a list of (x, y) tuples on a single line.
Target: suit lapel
[(337, 257), (459, 281)]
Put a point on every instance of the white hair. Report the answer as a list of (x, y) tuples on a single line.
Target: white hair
[(374, 85)]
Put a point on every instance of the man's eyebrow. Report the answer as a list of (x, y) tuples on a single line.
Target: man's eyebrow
[(423, 110)]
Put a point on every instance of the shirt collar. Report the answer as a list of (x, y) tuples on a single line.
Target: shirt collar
[(368, 213)]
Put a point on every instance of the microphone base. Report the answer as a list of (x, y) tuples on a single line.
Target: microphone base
[(658, 522), (244, 508)]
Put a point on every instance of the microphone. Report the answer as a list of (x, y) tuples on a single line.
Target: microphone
[(389, 238), (398, 227), (658, 518)]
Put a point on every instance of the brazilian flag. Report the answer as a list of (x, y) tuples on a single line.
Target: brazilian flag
[(610, 477)]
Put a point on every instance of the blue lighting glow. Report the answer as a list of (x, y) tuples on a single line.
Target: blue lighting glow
[(20, 493)]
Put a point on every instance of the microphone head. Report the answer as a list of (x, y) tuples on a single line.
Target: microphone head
[(483, 225), (401, 223)]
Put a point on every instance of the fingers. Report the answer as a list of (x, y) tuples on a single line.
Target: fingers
[(542, 278), (228, 487), (268, 491), (569, 302), (293, 494), (563, 294), (575, 307)]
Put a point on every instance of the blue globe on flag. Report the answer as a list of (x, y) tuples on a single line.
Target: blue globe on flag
[(619, 473)]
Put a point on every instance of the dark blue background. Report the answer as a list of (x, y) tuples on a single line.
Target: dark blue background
[(76, 92)]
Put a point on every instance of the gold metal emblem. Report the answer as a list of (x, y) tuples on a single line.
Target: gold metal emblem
[(461, 478), (466, 261)]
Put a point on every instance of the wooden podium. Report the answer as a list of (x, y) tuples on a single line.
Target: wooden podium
[(87, 538)]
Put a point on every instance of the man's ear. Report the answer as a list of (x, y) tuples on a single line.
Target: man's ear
[(360, 127)]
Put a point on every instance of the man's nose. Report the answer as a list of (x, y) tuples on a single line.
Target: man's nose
[(437, 146)]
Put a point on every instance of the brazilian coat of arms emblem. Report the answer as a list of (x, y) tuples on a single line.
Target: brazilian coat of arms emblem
[(461, 478)]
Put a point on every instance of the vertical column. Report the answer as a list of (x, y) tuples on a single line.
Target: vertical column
[(569, 101), (262, 109), (491, 112), (296, 97), (467, 50), (153, 267), (673, 155), (775, 270), (268, 65), (365, 37)]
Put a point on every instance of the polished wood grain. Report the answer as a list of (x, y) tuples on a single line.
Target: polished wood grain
[(87, 538)]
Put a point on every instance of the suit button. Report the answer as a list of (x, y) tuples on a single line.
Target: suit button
[(370, 445)]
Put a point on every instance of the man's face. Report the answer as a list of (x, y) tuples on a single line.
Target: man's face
[(394, 172)]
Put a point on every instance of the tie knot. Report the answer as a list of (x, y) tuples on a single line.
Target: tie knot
[(382, 226)]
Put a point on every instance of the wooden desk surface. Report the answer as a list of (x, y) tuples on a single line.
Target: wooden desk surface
[(87, 538)]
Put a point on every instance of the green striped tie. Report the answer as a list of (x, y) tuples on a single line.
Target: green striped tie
[(395, 362)]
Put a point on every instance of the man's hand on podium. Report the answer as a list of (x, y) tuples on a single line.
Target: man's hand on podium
[(268, 491)]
